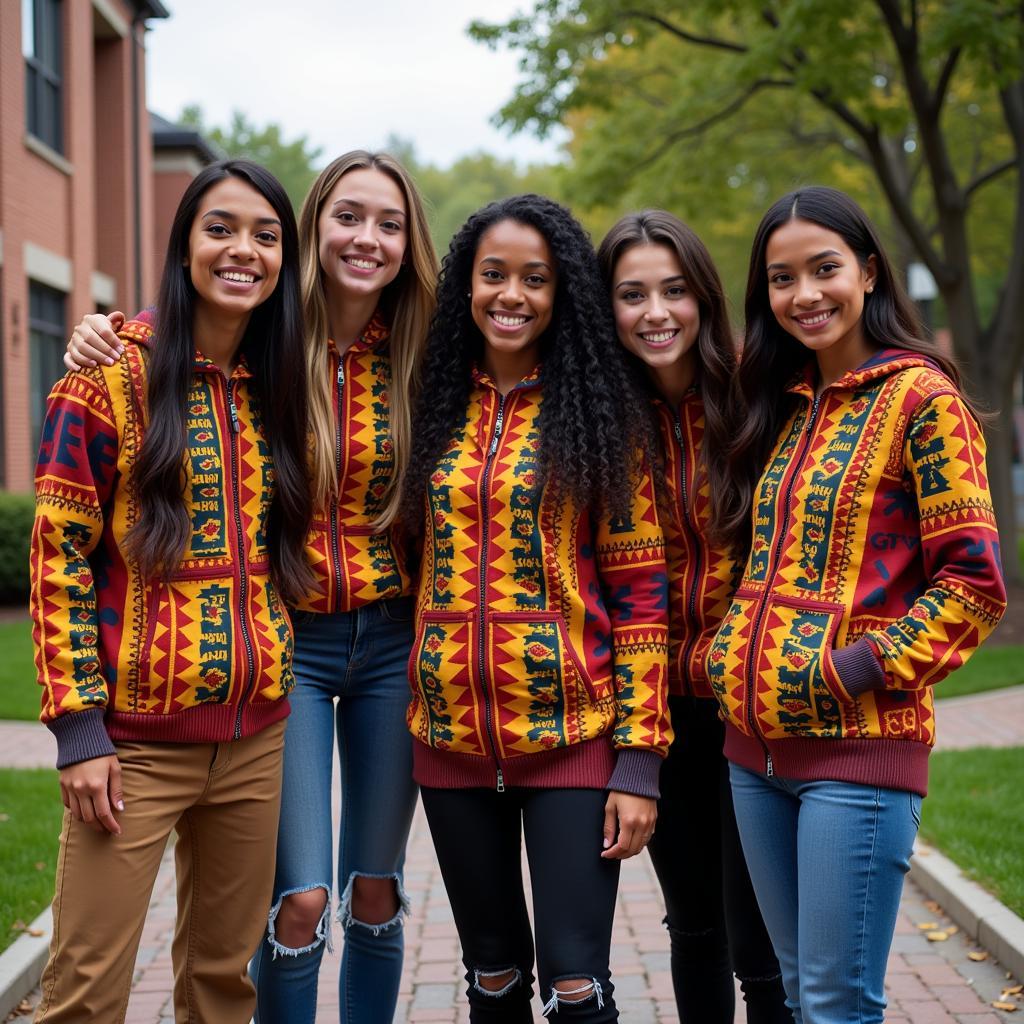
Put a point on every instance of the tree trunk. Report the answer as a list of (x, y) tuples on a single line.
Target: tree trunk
[(999, 438)]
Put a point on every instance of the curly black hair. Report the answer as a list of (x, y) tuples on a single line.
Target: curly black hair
[(592, 428)]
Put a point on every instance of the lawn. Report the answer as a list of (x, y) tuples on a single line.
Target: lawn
[(30, 816), (972, 814), (19, 694), (990, 668)]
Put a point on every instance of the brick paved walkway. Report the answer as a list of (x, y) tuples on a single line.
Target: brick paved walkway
[(928, 983)]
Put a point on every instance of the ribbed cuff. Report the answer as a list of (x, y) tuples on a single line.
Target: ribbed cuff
[(636, 772), (80, 736), (858, 667)]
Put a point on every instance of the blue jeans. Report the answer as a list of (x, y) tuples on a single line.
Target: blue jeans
[(360, 658), (827, 860)]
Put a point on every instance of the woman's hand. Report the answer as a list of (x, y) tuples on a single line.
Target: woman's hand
[(91, 791), (628, 824), (95, 341)]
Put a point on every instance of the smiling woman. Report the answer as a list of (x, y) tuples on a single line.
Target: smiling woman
[(172, 509)]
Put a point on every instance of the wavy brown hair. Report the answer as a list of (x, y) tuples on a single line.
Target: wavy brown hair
[(407, 304), (272, 347), (716, 348), (772, 357)]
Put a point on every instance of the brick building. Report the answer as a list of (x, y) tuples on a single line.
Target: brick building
[(78, 193)]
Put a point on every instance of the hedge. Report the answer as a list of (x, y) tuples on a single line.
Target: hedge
[(16, 514)]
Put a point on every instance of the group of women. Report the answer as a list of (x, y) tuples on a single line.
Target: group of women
[(632, 580)]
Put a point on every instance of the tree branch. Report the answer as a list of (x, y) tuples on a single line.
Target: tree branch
[(720, 115), (993, 172), (679, 33), (942, 85)]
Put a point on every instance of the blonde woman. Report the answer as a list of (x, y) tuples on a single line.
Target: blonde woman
[(368, 277)]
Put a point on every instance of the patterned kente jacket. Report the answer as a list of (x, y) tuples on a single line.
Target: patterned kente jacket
[(874, 572), (541, 631), (204, 657), (353, 564), (701, 576)]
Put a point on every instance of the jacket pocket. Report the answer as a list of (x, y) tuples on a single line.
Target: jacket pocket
[(447, 710), (727, 659), (541, 695), (798, 692)]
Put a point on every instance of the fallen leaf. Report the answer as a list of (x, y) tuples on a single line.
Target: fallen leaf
[(1001, 1004), (40, 865), (1014, 990), (928, 925), (34, 932), (5, 817), (933, 906), (18, 926), (936, 936), (977, 955)]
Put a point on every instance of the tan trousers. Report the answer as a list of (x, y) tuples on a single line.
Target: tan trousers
[(223, 801)]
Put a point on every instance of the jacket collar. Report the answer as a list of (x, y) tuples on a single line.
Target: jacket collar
[(484, 380), (883, 363), (141, 330), (373, 334)]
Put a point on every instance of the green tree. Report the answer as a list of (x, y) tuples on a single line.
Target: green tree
[(925, 96), (293, 163)]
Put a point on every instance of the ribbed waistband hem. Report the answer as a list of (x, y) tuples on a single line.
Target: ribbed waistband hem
[(586, 765), (891, 764), (205, 723)]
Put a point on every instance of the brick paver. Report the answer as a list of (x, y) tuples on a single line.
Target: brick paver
[(927, 982)]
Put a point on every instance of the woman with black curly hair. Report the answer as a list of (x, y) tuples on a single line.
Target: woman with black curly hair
[(539, 666)]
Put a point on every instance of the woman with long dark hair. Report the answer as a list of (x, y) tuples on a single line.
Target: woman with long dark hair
[(873, 571), (368, 273), (538, 669), (671, 316), (172, 508)]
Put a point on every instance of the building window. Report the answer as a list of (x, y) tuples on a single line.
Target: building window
[(41, 46), (47, 327)]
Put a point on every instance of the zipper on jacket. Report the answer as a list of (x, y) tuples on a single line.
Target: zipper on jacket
[(485, 486), (808, 432), (677, 427), (335, 548), (243, 576)]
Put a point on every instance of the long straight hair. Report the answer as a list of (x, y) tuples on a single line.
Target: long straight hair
[(772, 357), (407, 303), (272, 347), (716, 348)]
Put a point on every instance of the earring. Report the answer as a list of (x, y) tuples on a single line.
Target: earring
[(870, 288)]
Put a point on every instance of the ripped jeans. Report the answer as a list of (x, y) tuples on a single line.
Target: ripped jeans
[(478, 836), (358, 657)]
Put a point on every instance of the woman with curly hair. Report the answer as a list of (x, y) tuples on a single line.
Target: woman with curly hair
[(368, 273), (539, 664), (670, 314)]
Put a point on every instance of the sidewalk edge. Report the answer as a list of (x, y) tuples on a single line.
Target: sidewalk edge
[(978, 913), (22, 963)]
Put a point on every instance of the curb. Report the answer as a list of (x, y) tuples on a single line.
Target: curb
[(979, 914), (22, 963)]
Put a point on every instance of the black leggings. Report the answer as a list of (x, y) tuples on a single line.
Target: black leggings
[(477, 837), (712, 915)]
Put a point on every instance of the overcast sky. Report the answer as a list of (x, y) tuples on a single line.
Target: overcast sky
[(346, 73)]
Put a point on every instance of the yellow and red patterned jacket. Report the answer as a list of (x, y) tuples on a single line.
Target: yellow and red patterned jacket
[(352, 563), (541, 635), (874, 572), (203, 657), (701, 576)]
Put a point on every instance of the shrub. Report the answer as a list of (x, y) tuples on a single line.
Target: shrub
[(16, 514)]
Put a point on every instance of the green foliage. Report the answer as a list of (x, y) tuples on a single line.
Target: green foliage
[(19, 693), (451, 194), (16, 514), (990, 668), (30, 820), (713, 109), (969, 815), (292, 162)]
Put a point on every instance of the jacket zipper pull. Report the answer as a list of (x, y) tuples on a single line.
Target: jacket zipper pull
[(501, 782), (498, 424), (769, 765), (341, 373), (814, 413), (678, 429), (233, 409)]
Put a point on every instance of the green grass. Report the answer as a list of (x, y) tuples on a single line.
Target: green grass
[(19, 693), (30, 816), (990, 668), (972, 814)]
